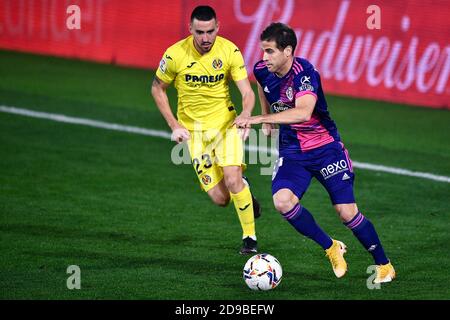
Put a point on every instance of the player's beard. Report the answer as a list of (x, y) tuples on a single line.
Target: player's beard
[(206, 46), (203, 47)]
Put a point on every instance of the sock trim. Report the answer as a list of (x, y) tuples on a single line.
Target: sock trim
[(293, 212), (356, 221)]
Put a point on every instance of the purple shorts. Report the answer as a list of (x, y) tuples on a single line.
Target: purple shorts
[(330, 164)]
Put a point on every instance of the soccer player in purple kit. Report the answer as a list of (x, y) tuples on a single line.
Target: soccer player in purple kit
[(309, 146)]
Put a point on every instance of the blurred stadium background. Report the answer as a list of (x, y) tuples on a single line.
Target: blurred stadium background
[(86, 176)]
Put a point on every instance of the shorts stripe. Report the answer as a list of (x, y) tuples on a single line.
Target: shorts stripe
[(347, 157)]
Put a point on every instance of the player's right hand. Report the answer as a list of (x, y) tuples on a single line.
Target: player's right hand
[(180, 134)]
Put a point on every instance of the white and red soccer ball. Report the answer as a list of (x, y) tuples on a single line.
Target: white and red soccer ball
[(262, 272)]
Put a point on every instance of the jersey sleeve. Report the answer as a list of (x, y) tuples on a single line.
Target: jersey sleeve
[(259, 71), (238, 70), (307, 82), (167, 68)]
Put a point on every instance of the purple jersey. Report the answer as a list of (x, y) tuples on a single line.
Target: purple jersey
[(281, 93)]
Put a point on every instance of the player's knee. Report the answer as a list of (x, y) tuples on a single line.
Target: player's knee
[(234, 183), (283, 206), (220, 200), (346, 211), (284, 201), (219, 195)]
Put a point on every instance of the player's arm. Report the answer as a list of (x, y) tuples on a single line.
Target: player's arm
[(159, 93), (239, 75), (265, 109), (248, 97), (304, 107), (248, 103)]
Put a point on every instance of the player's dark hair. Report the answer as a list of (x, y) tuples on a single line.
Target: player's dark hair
[(203, 13), (282, 34)]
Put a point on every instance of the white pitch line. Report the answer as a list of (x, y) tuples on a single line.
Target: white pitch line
[(85, 122), (167, 135)]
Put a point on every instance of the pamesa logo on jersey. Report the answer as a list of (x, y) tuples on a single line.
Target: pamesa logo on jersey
[(204, 78)]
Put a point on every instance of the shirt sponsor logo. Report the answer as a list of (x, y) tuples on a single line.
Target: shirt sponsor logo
[(279, 106), (334, 169), (204, 78)]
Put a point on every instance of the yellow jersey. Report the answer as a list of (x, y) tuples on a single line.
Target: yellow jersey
[(204, 100)]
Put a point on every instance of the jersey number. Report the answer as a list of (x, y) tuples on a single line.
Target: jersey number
[(207, 163)]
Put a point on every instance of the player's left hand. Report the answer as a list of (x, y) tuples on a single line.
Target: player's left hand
[(241, 124), (246, 122), (241, 119)]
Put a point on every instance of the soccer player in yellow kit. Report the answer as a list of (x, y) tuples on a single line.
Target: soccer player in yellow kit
[(201, 66)]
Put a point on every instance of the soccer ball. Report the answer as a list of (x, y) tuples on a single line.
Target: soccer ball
[(262, 272)]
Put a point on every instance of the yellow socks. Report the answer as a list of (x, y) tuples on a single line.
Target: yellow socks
[(244, 208)]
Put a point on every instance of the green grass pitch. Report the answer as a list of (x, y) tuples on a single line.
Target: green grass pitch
[(139, 227)]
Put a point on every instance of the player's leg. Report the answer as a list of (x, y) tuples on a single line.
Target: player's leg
[(219, 194), (361, 227), (229, 153), (338, 180), (287, 203), (209, 173), (365, 232), (242, 199), (223, 185), (257, 209), (289, 182)]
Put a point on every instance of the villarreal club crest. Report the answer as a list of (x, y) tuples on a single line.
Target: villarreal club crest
[(217, 64)]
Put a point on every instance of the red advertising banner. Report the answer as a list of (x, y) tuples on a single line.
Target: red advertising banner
[(133, 32), (393, 50)]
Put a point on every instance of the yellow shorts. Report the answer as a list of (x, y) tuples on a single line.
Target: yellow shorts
[(213, 149)]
